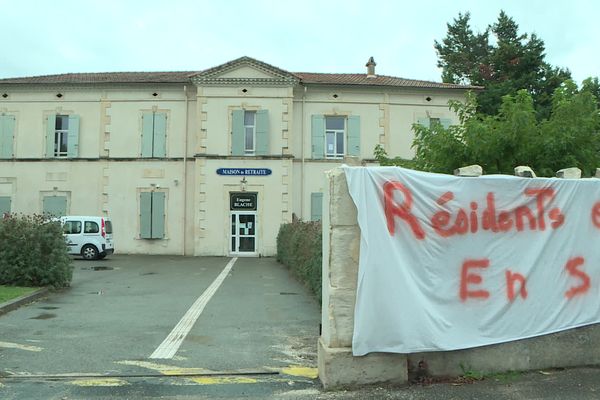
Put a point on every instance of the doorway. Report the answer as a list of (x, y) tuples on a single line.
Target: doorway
[(243, 219)]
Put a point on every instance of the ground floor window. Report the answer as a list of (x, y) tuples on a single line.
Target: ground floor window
[(152, 215), (54, 205)]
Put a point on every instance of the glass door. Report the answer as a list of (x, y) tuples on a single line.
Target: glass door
[(243, 232)]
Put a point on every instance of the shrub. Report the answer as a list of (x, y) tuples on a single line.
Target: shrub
[(299, 247), (33, 252)]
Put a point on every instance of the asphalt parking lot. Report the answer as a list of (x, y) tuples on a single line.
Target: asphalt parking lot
[(153, 326)]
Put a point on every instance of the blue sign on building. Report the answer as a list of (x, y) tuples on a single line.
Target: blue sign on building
[(244, 171)]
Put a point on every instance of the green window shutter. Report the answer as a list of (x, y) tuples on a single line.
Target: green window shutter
[(160, 135), (316, 206), (73, 136), (147, 134), (318, 136), (262, 133), (146, 215), (446, 122), (353, 148), (237, 133), (50, 132), (7, 133), (424, 122), (4, 205), (158, 215), (55, 205)]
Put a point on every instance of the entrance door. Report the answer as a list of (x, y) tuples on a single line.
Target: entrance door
[(243, 232)]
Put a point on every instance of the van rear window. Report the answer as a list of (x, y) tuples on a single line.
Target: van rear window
[(108, 227)]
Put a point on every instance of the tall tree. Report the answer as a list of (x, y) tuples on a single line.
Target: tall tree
[(512, 61)]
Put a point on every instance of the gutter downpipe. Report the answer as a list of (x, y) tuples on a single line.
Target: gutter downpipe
[(185, 150), (302, 184)]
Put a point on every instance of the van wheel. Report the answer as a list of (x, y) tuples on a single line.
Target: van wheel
[(89, 252)]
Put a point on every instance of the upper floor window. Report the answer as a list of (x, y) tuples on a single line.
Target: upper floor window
[(335, 132), (62, 136), (249, 133), (430, 122), (154, 134), (7, 134), (334, 137)]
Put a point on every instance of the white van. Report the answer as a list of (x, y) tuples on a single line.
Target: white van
[(90, 237)]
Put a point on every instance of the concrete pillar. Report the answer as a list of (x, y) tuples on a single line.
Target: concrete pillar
[(569, 173), (341, 248), (524, 172), (470, 170)]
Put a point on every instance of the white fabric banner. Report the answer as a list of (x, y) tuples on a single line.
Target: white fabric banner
[(451, 262)]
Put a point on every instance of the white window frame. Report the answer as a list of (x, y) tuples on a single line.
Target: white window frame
[(336, 132), (250, 150), (59, 134)]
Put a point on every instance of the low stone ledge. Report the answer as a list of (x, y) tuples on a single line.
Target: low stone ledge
[(339, 369)]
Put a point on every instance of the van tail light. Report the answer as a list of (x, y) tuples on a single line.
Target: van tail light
[(103, 229)]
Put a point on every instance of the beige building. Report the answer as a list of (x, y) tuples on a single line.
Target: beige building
[(200, 163)]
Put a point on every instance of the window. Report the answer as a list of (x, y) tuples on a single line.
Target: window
[(430, 122), (62, 139), (55, 205), (91, 227), (154, 135), (7, 132), (316, 206), (4, 205), (250, 133), (334, 137), (72, 227), (152, 215), (335, 131)]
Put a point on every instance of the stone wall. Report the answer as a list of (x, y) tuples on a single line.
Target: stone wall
[(338, 368)]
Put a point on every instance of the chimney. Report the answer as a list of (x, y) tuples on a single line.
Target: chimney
[(371, 68)]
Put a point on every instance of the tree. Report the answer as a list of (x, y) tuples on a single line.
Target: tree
[(512, 62), (570, 137)]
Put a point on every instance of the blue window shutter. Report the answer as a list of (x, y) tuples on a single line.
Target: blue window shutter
[(424, 122), (160, 135), (4, 205), (146, 215), (316, 206), (147, 134), (318, 136), (55, 205), (7, 133), (73, 136), (262, 133), (237, 133), (50, 133), (353, 148), (158, 215), (446, 122)]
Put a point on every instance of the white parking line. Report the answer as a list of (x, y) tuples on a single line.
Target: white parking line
[(170, 345)]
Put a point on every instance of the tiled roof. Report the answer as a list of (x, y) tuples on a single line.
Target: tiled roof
[(377, 80), (185, 76), (106, 77)]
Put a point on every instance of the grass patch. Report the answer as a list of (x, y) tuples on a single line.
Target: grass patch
[(11, 292)]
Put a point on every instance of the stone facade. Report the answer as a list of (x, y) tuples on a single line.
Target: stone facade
[(193, 125)]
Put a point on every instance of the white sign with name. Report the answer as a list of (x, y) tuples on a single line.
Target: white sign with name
[(452, 262)]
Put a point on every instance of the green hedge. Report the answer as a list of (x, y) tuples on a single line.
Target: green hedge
[(299, 247), (33, 252)]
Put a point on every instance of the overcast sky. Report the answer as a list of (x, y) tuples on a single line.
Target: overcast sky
[(59, 36)]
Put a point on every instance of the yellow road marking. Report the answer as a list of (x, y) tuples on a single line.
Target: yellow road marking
[(166, 369), (100, 382), (25, 347), (223, 380), (303, 372)]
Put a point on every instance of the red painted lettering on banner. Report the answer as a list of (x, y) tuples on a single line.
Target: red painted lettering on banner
[(571, 266), (467, 278), (541, 195), (511, 279), (392, 209), (596, 215)]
